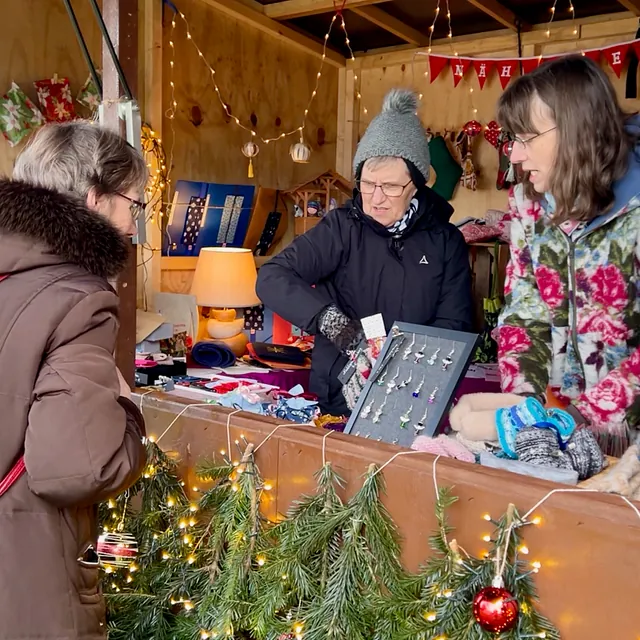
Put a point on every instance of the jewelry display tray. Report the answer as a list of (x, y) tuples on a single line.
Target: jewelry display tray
[(392, 425)]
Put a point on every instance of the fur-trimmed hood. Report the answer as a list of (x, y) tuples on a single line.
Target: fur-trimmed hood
[(54, 228)]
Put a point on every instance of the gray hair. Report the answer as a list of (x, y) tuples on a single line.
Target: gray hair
[(74, 157), (378, 161)]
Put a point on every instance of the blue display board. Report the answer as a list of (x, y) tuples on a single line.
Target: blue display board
[(207, 215)]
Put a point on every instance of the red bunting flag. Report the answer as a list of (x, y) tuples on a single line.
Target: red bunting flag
[(529, 64), (459, 66), (594, 55), (636, 48), (483, 69), (616, 56), (506, 71), (436, 65)]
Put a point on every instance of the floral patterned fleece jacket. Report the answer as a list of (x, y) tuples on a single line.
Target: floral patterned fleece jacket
[(572, 315)]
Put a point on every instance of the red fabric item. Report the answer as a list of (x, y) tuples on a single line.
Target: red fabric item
[(436, 65), (55, 99), (460, 67), (616, 56), (483, 69), (506, 71), (479, 232), (530, 64)]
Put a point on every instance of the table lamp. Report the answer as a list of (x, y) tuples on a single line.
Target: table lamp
[(225, 280)]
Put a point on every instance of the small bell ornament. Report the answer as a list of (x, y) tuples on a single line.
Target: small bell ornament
[(300, 152), (250, 150)]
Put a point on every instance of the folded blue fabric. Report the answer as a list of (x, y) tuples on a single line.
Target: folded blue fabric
[(531, 413), (212, 355)]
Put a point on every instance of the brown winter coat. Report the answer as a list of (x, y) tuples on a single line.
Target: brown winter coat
[(59, 403)]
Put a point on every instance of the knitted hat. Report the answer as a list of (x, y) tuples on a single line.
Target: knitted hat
[(396, 132)]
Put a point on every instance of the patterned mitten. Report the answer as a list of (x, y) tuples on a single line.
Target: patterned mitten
[(540, 446), (584, 454), (345, 333)]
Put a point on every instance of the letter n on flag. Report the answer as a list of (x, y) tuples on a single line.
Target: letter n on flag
[(436, 65), (506, 71), (616, 56), (459, 66), (483, 69)]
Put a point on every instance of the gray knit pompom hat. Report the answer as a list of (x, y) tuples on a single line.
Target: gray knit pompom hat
[(396, 132)]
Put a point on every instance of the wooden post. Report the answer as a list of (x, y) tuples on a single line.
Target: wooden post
[(121, 19), (151, 105), (348, 120)]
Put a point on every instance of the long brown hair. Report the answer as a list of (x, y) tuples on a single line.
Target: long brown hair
[(593, 146)]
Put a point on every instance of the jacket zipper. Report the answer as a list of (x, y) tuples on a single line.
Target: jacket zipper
[(574, 305)]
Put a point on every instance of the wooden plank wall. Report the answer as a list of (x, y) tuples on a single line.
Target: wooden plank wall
[(445, 107), (257, 75), (37, 41)]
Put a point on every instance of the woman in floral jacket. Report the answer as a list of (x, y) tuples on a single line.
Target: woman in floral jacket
[(571, 323)]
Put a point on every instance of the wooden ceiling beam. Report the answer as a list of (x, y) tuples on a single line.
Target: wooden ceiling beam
[(631, 5), (391, 24), (505, 16), (244, 13), (297, 8)]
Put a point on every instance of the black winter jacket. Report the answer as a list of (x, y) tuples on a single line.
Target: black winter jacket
[(422, 276)]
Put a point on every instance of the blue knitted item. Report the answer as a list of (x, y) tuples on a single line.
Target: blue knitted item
[(530, 413), (510, 420)]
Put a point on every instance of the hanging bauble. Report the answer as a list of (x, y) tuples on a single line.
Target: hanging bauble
[(250, 150), (300, 152), (117, 549), (473, 128), (495, 610)]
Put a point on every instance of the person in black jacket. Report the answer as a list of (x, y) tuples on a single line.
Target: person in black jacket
[(391, 250)]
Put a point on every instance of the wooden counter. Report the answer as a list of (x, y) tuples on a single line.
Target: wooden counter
[(589, 545)]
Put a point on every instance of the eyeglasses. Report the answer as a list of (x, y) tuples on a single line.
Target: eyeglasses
[(389, 190), (508, 147), (136, 207)]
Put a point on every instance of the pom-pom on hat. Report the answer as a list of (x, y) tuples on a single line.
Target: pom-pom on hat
[(396, 132)]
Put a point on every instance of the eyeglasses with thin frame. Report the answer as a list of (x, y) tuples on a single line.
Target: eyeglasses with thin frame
[(509, 145), (390, 190), (135, 206)]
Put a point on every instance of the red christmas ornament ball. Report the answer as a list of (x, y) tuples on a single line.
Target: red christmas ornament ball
[(472, 128), (495, 610)]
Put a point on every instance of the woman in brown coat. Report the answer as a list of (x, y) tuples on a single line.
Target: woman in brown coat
[(64, 222)]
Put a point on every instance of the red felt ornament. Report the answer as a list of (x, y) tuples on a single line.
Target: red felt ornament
[(495, 610), (473, 128), (286, 636), (492, 133)]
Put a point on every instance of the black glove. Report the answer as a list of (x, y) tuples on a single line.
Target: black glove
[(345, 333)]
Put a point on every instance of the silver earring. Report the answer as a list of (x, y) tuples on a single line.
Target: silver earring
[(432, 397), (407, 382), (391, 385), (419, 427), (405, 418), (407, 351), (447, 361), (367, 410), (418, 355), (380, 380), (432, 360), (377, 415), (416, 393)]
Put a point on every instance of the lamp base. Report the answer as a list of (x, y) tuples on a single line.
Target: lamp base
[(224, 328)]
